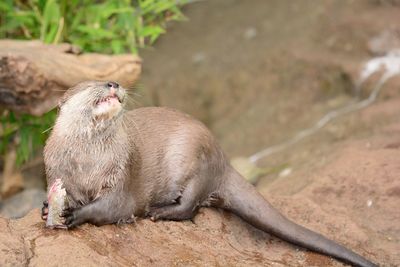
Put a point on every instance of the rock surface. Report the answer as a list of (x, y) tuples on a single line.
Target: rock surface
[(213, 239), (345, 200), (21, 203)]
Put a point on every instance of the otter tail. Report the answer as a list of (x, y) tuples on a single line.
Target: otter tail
[(259, 212)]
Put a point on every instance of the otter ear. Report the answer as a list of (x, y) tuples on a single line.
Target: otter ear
[(61, 102)]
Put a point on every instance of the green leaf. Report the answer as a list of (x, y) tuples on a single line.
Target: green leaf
[(24, 148), (117, 46), (151, 31), (51, 17), (95, 33)]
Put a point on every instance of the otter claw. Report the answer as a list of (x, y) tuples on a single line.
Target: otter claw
[(130, 220), (45, 210), (155, 214), (69, 217), (66, 212)]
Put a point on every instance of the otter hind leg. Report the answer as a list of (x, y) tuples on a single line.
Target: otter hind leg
[(185, 207)]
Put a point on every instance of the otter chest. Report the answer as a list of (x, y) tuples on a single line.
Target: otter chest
[(90, 170)]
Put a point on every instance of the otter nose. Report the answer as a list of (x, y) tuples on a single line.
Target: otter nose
[(112, 85)]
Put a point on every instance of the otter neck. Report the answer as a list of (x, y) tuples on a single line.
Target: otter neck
[(88, 128)]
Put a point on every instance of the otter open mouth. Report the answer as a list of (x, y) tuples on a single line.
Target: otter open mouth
[(109, 100), (107, 107)]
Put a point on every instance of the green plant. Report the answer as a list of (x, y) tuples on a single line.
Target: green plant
[(112, 26), (104, 26), (27, 131)]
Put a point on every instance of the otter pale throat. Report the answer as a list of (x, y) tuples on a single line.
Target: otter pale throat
[(153, 162)]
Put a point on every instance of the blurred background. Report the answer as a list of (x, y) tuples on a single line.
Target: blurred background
[(257, 73)]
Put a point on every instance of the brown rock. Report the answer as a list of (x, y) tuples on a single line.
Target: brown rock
[(214, 238), (353, 200)]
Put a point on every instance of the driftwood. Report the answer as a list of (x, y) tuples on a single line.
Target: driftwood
[(34, 75)]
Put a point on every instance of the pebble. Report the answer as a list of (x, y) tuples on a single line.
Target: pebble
[(250, 33), (285, 172)]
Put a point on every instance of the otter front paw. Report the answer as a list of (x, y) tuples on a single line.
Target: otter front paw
[(72, 217)]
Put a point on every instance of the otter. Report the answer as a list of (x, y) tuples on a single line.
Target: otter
[(153, 162)]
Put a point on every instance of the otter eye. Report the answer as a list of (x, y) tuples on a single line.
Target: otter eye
[(112, 85)]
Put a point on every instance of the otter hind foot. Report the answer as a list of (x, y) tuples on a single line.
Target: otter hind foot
[(177, 212), (185, 208), (129, 220)]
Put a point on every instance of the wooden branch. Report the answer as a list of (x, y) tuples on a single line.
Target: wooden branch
[(34, 75)]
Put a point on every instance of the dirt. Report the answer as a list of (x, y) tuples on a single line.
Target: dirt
[(257, 72)]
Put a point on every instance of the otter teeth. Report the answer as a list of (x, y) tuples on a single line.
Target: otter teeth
[(108, 99)]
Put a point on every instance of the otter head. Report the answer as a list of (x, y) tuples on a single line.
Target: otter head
[(91, 105)]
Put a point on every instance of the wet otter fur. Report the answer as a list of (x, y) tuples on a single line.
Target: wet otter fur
[(153, 162)]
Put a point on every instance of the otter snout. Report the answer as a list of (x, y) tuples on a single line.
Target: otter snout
[(112, 85), (114, 91), (110, 101)]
